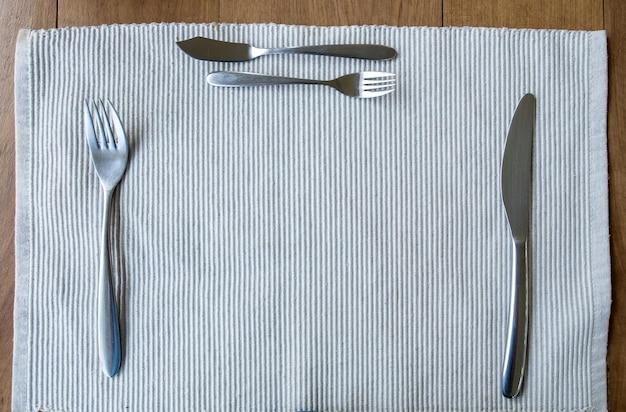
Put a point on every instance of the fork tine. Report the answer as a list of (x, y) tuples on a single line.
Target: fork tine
[(90, 132), (375, 82), (99, 127), (391, 87), (378, 75), (377, 87), (105, 125), (379, 92), (120, 134), (367, 93)]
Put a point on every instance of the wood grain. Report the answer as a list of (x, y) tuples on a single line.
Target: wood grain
[(557, 14), (334, 13), (615, 17), (94, 13)]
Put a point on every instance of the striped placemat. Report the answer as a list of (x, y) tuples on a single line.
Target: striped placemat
[(290, 248)]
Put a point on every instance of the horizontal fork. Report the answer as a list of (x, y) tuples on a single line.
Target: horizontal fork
[(362, 84)]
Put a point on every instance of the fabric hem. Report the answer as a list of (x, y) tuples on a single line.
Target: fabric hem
[(21, 314), (600, 266)]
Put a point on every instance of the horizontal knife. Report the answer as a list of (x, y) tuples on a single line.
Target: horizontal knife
[(217, 50)]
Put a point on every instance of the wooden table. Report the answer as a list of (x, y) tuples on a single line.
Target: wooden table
[(609, 15)]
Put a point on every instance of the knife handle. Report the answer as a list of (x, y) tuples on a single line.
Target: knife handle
[(357, 51), (515, 355)]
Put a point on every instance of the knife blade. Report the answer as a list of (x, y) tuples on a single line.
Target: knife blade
[(217, 50), (516, 196)]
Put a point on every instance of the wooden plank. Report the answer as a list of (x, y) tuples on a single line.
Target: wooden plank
[(615, 16), (13, 15), (555, 14), (93, 13), (43, 14), (333, 13)]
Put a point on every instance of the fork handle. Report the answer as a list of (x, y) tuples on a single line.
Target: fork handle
[(238, 79), (108, 324)]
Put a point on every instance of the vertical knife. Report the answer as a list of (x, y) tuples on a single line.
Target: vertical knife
[(516, 196)]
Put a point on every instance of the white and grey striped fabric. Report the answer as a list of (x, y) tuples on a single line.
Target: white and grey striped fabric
[(290, 248)]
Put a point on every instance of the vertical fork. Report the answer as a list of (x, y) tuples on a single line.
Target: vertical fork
[(109, 153)]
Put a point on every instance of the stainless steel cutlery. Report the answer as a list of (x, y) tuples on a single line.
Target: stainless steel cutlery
[(216, 50), (516, 195), (109, 152), (363, 84)]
